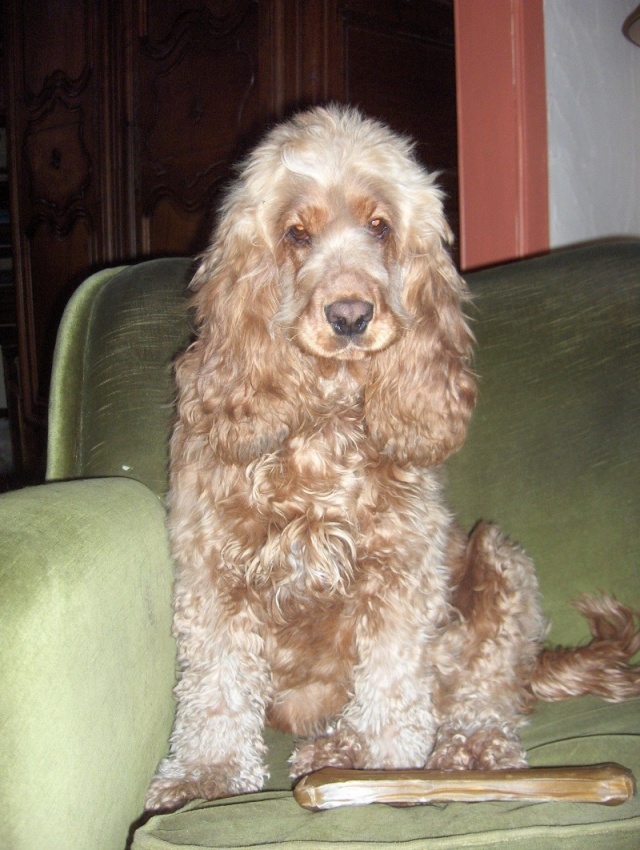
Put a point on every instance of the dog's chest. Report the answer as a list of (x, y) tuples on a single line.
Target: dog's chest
[(323, 463), (302, 525), (306, 503), (317, 474)]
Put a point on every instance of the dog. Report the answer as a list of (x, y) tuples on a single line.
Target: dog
[(323, 585)]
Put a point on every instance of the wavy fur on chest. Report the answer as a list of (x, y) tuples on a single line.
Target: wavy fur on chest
[(314, 522)]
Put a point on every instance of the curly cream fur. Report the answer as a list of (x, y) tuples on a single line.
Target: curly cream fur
[(322, 584)]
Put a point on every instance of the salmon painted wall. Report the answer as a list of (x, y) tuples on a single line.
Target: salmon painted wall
[(502, 130)]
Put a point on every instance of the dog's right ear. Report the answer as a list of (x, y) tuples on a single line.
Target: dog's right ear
[(240, 382)]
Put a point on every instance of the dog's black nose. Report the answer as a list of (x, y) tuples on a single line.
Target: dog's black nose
[(349, 317)]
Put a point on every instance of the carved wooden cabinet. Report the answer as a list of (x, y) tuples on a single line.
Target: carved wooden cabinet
[(125, 117)]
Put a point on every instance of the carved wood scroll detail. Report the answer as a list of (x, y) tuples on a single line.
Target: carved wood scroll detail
[(56, 157), (179, 102), (59, 168)]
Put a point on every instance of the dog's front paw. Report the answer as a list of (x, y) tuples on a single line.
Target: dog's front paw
[(335, 749), (172, 789), (166, 795), (484, 749)]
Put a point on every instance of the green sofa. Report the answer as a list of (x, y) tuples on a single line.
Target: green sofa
[(87, 657)]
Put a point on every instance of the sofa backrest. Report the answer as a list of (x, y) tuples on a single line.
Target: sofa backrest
[(553, 452), (112, 397)]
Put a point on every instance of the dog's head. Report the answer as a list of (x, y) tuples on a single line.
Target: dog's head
[(332, 247)]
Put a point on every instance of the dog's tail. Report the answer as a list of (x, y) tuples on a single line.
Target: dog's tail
[(602, 666)]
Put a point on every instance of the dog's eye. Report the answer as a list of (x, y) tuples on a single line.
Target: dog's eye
[(378, 227), (299, 235)]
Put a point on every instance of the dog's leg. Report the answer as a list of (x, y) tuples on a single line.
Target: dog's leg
[(399, 612), (485, 697), (388, 721), (216, 743)]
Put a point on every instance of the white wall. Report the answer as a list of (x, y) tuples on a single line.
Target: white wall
[(593, 105)]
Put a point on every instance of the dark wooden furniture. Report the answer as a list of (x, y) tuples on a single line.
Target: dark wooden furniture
[(125, 116)]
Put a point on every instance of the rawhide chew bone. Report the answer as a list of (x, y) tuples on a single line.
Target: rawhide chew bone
[(330, 788)]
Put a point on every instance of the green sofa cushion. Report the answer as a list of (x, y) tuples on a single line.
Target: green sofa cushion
[(583, 731), (87, 661)]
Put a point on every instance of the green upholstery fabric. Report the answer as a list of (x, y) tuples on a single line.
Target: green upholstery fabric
[(87, 661), (553, 452), (86, 655), (562, 734), (112, 386)]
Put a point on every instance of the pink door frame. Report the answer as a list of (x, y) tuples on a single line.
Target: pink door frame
[(502, 130)]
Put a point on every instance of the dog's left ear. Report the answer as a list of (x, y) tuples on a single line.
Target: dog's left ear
[(421, 391)]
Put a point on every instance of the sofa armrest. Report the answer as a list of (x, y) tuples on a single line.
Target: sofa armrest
[(86, 658)]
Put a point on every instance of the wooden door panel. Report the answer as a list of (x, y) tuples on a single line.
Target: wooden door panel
[(399, 65), (56, 151), (196, 105)]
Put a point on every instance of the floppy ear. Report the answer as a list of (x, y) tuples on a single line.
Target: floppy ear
[(421, 390), (238, 382)]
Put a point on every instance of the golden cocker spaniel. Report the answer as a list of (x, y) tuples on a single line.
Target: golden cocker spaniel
[(323, 585)]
